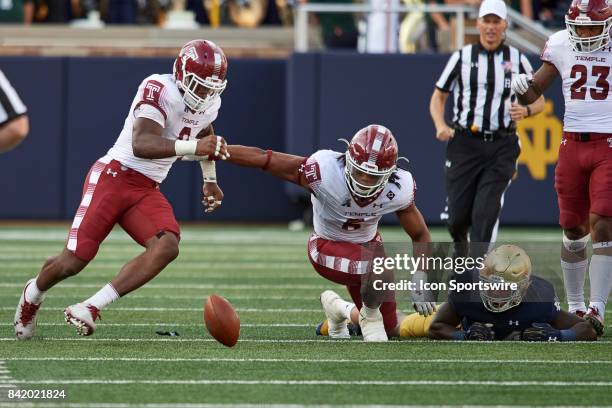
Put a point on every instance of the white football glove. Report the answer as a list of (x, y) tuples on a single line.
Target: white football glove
[(419, 297), (521, 83)]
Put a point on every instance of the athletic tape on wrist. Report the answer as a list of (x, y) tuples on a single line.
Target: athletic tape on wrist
[(185, 147), (209, 171)]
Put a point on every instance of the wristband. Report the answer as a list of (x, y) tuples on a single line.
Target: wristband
[(528, 110), (459, 335), (209, 171), (568, 335), (185, 147), (269, 154)]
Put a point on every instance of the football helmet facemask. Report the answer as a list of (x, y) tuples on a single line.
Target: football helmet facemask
[(370, 160), (596, 13), (510, 264), (199, 71)]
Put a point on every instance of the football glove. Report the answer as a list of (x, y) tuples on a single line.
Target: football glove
[(421, 299), (520, 83), (480, 332), (541, 332)]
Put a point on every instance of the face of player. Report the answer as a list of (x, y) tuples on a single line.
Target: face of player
[(365, 179), (492, 29), (588, 31)]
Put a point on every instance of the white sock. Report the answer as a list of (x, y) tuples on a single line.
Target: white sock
[(104, 297), (346, 308), (573, 280), (600, 274), (369, 312), (33, 294)]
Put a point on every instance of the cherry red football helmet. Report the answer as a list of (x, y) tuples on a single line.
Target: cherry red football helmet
[(199, 71), (589, 13), (370, 160)]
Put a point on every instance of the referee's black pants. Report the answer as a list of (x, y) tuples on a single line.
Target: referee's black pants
[(478, 172)]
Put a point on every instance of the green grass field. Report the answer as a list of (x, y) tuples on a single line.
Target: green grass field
[(264, 272)]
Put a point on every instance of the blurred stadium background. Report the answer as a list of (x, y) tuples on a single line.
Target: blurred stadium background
[(78, 74)]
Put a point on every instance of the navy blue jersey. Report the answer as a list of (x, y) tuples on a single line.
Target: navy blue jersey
[(538, 306)]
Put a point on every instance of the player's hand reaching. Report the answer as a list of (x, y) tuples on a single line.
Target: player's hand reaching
[(480, 332), (213, 197), (213, 148), (444, 133), (541, 332), (422, 300), (520, 83)]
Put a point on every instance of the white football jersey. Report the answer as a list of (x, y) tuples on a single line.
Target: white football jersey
[(337, 216), (158, 98), (586, 84)]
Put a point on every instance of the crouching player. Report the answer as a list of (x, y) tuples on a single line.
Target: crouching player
[(413, 325), (530, 313), (350, 192)]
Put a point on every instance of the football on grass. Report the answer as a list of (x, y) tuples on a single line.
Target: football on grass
[(221, 320)]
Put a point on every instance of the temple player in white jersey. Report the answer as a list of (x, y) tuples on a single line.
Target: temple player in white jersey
[(582, 56), (350, 193), (170, 118)]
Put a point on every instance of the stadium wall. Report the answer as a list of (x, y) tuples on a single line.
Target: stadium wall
[(77, 107)]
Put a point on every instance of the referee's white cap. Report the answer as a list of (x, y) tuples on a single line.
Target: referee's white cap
[(497, 7)]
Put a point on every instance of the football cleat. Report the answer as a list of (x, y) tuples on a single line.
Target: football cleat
[(323, 330), (579, 313), (83, 317), (25, 316), (595, 319), (336, 322), (372, 327)]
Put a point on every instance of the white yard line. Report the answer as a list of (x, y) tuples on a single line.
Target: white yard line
[(322, 340), (184, 286), (229, 405), (108, 381), (185, 297), (6, 381), (184, 309), (302, 360), (169, 324)]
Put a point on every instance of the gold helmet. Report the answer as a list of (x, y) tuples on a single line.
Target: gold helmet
[(506, 263)]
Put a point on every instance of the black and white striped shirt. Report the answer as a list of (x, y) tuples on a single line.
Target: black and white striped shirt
[(480, 81), (11, 105)]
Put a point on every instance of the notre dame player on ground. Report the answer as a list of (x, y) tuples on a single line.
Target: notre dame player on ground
[(530, 313)]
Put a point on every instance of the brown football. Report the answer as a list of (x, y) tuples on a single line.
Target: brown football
[(221, 320)]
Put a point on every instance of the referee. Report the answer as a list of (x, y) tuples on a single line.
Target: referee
[(482, 144), (14, 125)]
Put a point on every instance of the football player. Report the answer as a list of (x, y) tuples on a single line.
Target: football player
[(411, 326), (582, 56), (530, 312), (350, 192), (171, 116)]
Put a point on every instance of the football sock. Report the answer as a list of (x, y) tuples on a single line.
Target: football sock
[(600, 274), (573, 280), (104, 297), (33, 294), (370, 313), (346, 308)]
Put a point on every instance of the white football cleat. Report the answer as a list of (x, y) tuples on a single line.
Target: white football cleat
[(372, 327), (83, 317), (336, 321), (25, 316)]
